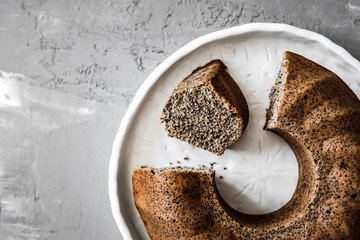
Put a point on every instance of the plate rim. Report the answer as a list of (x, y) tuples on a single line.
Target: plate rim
[(172, 59)]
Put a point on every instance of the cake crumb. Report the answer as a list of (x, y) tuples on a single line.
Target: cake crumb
[(221, 177), (186, 158), (201, 98)]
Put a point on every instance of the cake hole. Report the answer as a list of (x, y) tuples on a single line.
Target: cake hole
[(264, 176), (186, 191), (328, 211), (306, 97), (354, 196)]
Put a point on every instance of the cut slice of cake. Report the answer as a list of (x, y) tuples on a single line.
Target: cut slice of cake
[(207, 109)]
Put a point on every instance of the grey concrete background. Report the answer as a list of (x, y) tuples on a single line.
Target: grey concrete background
[(81, 63)]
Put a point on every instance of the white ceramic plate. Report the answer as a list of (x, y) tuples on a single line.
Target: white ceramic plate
[(259, 172)]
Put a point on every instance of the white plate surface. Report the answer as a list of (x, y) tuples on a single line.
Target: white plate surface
[(259, 172)]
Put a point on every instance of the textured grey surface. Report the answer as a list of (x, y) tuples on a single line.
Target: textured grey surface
[(81, 64)]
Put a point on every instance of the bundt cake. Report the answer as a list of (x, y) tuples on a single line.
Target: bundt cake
[(207, 110), (318, 115)]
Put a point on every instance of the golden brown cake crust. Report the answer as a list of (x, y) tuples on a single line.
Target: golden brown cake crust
[(319, 116), (319, 112), (214, 73)]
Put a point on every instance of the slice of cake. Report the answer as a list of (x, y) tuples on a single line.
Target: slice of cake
[(207, 109)]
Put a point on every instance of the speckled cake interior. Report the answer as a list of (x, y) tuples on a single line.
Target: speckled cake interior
[(275, 95), (207, 109)]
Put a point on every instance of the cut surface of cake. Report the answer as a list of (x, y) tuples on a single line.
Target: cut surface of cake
[(207, 109)]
